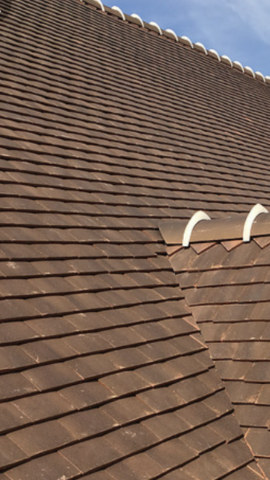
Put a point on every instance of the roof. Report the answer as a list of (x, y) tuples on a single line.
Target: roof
[(226, 283), (109, 368)]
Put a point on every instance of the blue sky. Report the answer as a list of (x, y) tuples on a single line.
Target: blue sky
[(237, 28)]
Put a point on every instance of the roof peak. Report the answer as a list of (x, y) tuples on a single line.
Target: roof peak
[(153, 26)]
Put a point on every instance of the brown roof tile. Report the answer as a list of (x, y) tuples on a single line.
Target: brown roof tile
[(236, 333), (227, 427), (167, 425), (101, 475), (15, 385), (259, 372), (126, 410), (88, 424), (87, 394), (205, 467), (11, 417), (202, 439), (103, 362), (51, 376), (242, 392), (258, 439), (265, 465), (10, 453), (252, 415), (41, 438), (173, 453), (91, 454), (124, 383), (178, 474), (51, 467), (263, 395), (136, 467), (160, 399), (44, 406), (132, 439), (92, 366)]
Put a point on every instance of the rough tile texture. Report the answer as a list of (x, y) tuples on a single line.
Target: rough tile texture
[(229, 298), (107, 129)]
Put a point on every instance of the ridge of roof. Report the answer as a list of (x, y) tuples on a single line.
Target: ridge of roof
[(201, 228), (168, 33)]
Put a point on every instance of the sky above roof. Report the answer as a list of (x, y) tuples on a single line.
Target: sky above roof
[(237, 28)]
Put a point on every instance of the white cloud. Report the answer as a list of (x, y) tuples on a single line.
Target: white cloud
[(255, 14)]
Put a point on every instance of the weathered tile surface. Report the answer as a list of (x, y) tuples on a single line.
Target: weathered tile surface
[(108, 129), (230, 303)]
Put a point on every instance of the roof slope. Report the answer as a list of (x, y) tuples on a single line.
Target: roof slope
[(107, 129), (226, 283)]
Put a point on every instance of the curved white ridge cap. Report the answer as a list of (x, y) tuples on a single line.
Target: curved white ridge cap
[(238, 65), (154, 24), (138, 18), (201, 47), (197, 45), (249, 71), (120, 11), (260, 76), (172, 33), (196, 218), (187, 41), (254, 212), (226, 59), (214, 53), (99, 2)]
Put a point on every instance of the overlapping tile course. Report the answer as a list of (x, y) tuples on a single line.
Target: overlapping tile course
[(106, 129), (226, 284)]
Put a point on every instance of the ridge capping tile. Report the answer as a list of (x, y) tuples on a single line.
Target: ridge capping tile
[(117, 9), (153, 26), (249, 71), (199, 46), (237, 227), (186, 41), (226, 59), (230, 228), (195, 219), (261, 225), (171, 34), (213, 53), (138, 19), (238, 66), (132, 19), (253, 214), (260, 76), (156, 27), (95, 3)]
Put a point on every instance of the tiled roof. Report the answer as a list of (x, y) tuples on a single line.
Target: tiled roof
[(154, 27), (226, 284), (108, 129)]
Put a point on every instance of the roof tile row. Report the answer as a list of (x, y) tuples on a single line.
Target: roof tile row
[(104, 371), (236, 331)]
